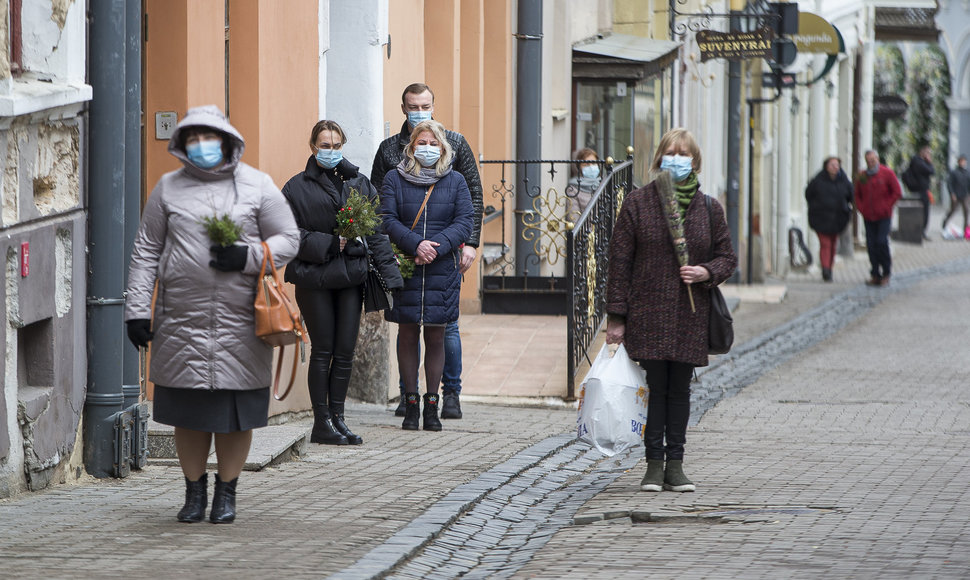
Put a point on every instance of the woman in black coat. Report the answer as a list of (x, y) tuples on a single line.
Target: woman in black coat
[(329, 273), (428, 213), (829, 197)]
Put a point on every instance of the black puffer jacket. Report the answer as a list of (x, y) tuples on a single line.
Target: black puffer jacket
[(391, 151), (923, 171), (319, 263), (829, 202)]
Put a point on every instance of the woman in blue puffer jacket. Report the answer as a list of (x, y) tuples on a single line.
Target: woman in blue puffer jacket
[(428, 213)]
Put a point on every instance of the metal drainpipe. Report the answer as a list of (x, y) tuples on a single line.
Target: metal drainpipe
[(528, 130), (734, 143), (106, 247), (132, 388)]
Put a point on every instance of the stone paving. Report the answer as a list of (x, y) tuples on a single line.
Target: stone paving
[(822, 466)]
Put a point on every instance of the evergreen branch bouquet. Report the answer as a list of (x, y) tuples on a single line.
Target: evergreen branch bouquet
[(358, 218), (405, 263), (675, 222), (222, 230)]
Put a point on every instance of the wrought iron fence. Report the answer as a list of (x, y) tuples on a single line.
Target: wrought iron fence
[(572, 227)]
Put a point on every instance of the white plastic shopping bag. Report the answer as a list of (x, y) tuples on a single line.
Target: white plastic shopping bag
[(613, 403)]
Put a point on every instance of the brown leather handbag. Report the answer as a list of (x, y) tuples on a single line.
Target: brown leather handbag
[(278, 320)]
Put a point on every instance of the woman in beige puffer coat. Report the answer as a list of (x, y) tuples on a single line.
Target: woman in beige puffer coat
[(211, 371)]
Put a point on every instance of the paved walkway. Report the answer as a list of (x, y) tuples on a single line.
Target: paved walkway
[(843, 456)]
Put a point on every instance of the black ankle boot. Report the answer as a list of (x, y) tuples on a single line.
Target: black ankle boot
[(431, 422), (196, 499), (324, 431), (337, 418), (412, 411), (450, 405), (399, 412), (223, 502)]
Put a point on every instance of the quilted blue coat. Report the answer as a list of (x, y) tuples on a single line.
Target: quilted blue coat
[(430, 296)]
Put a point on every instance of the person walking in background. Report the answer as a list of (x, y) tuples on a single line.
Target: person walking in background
[(829, 197), (329, 273), (211, 371), (958, 182), (876, 193), (586, 177), (921, 170), (647, 301), (417, 104), (428, 213)]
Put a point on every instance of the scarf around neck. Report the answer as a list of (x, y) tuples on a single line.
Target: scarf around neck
[(685, 192), (427, 176)]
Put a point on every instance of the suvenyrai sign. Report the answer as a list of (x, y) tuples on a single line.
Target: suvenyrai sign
[(734, 45)]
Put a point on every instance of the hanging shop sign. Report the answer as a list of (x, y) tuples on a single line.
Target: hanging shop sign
[(734, 45), (886, 107), (815, 35)]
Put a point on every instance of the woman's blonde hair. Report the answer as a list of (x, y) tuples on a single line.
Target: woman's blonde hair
[(678, 138), (438, 130)]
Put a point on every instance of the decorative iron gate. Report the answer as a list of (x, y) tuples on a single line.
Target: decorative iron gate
[(562, 232)]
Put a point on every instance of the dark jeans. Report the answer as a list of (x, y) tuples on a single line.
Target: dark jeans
[(961, 203), (668, 408), (332, 319), (877, 243), (924, 198), (451, 375)]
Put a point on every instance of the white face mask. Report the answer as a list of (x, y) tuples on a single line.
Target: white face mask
[(427, 155), (679, 166)]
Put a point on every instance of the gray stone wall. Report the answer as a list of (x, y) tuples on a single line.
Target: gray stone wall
[(370, 376), (44, 367)]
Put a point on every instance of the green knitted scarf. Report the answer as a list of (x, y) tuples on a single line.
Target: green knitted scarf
[(685, 192)]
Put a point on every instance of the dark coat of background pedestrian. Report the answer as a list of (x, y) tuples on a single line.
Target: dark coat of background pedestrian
[(391, 151), (829, 202), (644, 283), (204, 327), (876, 195), (958, 182), (319, 263), (431, 295), (923, 171)]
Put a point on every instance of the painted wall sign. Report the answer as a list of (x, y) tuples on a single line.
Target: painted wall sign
[(734, 45)]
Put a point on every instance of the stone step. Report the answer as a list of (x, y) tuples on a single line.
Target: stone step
[(272, 444)]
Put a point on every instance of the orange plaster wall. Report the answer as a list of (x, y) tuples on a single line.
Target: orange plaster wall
[(244, 76), (442, 33), (406, 64), (288, 87)]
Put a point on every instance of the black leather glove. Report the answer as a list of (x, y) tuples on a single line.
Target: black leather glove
[(140, 332), (229, 258)]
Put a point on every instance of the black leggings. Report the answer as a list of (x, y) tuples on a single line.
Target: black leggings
[(409, 355), (668, 408), (332, 318)]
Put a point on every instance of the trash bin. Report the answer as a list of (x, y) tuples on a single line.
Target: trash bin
[(910, 221)]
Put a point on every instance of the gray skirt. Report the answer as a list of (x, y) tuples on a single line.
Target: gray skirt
[(211, 411)]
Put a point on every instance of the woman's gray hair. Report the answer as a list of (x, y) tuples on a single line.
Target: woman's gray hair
[(438, 130)]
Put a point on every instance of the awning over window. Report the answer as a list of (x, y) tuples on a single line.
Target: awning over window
[(906, 24), (622, 57)]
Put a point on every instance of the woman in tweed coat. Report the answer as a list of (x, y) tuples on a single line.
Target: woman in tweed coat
[(648, 305)]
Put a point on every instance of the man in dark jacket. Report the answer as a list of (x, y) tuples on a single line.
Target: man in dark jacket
[(958, 183), (417, 104), (921, 168)]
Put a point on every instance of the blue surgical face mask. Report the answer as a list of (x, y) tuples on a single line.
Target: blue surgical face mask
[(591, 171), (679, 166), (427, 155), (205, 154), (415, 117), (329, 158)]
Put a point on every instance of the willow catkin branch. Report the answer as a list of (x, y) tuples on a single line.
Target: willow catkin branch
[(675, 223)]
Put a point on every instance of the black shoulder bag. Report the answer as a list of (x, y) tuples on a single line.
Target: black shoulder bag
[(720, 326)]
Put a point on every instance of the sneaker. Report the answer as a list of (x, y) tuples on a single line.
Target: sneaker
[(654, 478)]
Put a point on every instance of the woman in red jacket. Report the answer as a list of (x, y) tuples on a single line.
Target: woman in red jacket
[(648, 305)]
